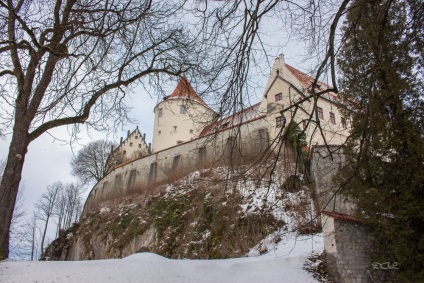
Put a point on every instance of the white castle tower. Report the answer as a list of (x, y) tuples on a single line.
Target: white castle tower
[(180, 117)]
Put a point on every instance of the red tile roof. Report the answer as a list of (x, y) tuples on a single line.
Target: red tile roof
[(185, 90), (307, 80), (341, 216), (246, 115)]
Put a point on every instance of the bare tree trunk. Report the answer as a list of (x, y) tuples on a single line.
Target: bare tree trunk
[(10, 182)]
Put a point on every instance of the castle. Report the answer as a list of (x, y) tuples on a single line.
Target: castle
[(188, 133)]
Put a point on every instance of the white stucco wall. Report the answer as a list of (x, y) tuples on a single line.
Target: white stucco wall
[(172, 127), (292, 91)]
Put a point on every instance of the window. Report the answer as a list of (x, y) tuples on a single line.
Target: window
[(320, 113), (139, 146), (124, 152), (332, 118), (202, 154), (175, 162), (191, 131), (279, 97), (183, 109), (136, 137), (279, 121), (344, 125), (159, 132), (175, 129), (153, 171), (131, 144), (180, 142), (160, 112)]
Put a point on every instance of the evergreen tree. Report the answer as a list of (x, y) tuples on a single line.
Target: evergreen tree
[(381, 65)]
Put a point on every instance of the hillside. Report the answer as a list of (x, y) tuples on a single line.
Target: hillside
[(208, 214)]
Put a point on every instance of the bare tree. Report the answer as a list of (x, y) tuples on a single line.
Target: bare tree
[(95, 160), (45, 206), (68, 206), (16, 237), (62, 62)]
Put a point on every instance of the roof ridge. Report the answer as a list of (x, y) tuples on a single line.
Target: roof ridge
[(299, 72)]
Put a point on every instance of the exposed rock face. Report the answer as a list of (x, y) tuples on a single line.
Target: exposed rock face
[(200, 217), (59, 249)]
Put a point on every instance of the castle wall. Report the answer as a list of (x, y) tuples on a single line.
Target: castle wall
[(248, 140), (324, 167), (347, 246)]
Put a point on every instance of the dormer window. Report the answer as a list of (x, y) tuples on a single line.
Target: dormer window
[(183, 109), (279, 97)]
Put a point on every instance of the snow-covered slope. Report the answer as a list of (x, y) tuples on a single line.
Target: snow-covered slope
[(284, 263)]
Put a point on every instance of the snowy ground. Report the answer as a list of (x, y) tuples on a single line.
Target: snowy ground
[(283, 263)]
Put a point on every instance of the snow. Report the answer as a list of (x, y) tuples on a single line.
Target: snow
[(283, 263)]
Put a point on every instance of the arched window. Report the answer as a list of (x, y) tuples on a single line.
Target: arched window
[(124, 152), (131, 144)]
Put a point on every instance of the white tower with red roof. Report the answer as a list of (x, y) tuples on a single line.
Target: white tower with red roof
[(180, 117)]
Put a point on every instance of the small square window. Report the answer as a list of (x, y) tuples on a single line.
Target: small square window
[(159, 132), (332, 118), (139, 146), (183, 109), (279, 97), (191, 131), (344, 125), (279, 121), (131, 144), (320, 113), (136, 137), (175, 129)]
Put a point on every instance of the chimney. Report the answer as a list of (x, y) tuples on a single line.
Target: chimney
[(128, 134), (150, 148), (281, 65), (144, 137), (122, 139)]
